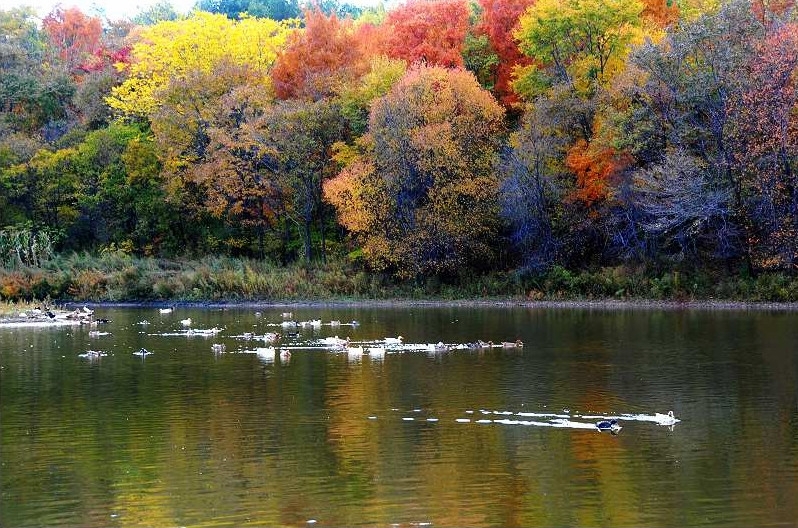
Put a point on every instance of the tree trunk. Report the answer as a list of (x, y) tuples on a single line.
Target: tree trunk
[(308, 247)]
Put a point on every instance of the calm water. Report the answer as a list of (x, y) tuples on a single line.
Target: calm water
[(188, 437)]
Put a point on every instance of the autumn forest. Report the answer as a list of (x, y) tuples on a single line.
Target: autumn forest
[(441, 140)]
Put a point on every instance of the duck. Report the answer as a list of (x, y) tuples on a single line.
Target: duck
[(285, 355), (265, 353), (287, 315), (666, 419), (354, 352), (92, 354), (437, 347), (186, 322), (480, 344), (609, 425), (376, 352), (513, 344), (218, 347), (142, 352), (166, 310), (335, 343), (393, 341)]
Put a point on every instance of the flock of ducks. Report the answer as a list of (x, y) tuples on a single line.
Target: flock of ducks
[(290, 329)]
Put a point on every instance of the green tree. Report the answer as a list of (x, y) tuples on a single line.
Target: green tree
[(273, 9), (576, 42)]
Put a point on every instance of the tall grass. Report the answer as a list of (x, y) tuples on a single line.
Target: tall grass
[(24, 246), (115, 276)]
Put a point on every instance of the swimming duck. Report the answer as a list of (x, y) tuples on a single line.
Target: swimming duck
[(609, 425), (354, 353), (377, 352), (440, 346), (186, 322), (266, 353), (218, 347), (165, 310)]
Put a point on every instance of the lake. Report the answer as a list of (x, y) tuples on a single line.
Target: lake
[(409, 435)]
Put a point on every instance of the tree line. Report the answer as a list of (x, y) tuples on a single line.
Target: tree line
[(438, 138)]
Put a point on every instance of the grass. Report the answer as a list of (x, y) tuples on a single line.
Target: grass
[(12, 308), (117, 277)]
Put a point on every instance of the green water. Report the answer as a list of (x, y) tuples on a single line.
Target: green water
[(190, 437)]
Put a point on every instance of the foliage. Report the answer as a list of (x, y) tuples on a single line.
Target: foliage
[(25, 247), (428, 32), (428, 197), (498, 22), (647, 133), (171, 52), (579, 43), (233, 9), (158, 12), (73, 35), (318, 61)]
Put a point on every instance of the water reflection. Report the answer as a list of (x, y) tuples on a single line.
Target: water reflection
[(217, 437)]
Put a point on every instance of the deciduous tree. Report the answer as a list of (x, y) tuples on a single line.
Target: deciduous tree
[(426, 31), (318, 61), (427, 182)]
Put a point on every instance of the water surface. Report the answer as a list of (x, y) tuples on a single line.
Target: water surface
[(190, 437)]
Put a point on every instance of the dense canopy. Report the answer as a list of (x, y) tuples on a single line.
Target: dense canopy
[(437, 138)]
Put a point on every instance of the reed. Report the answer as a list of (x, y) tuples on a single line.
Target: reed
[(115, 276)]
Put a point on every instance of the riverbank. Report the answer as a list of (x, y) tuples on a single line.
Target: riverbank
[(119, 278)]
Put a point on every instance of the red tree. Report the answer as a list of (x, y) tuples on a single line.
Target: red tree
[(319, 60), (662, 13), (499, 18), (431, 32), (76, 36)]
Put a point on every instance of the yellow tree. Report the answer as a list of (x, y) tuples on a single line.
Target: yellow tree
[(171, 51), (421, 198)]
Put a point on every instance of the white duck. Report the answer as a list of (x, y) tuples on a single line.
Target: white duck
[(266, 353)]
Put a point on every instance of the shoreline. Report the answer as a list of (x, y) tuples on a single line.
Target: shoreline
[(455, 303)]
